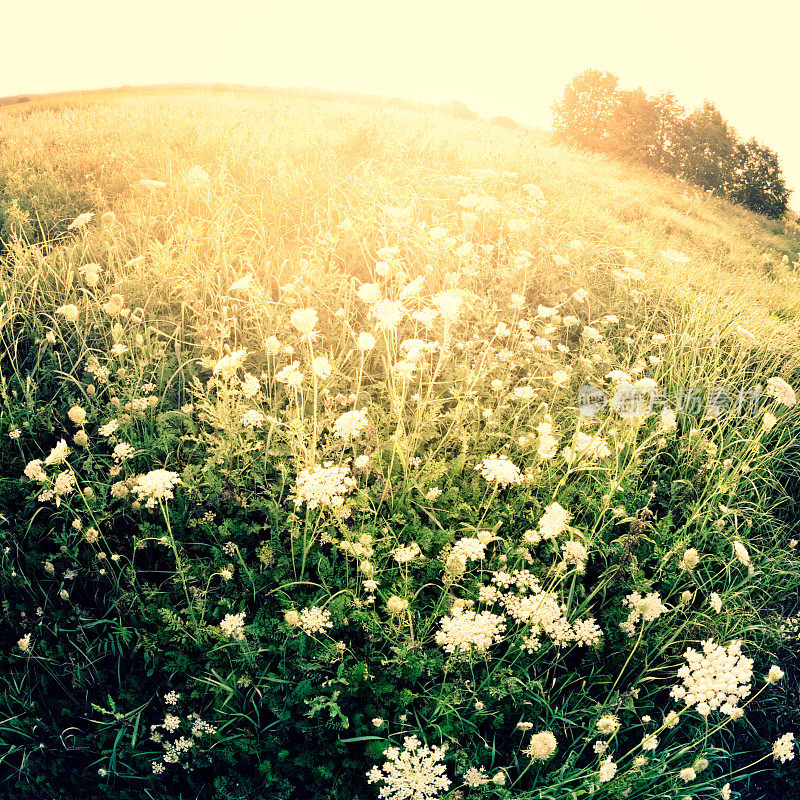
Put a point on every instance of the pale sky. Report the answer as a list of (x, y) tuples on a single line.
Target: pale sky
[(499, 56)]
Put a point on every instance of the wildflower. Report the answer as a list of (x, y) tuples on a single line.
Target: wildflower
[(155, 486), (292, 617), (415, 773), (783, 749), (406, 553), (740, 551), (725, 794), (305, 320), (14, 433), (669, 421), (252, 419), (700, 764), (322, 367), (170, 698), (649, 743), (647, 609), (388, 314), (774, 675), (715, 679), (91, 274), (448, 304), (77, 415), (769, 420), (69, 312), (433, 494), (365, 342), (81, 439), (290, 375), (80, 220), (690, 560), (466, 629), (586, 446), (475, 778), (554, 521), (608, 769), (396, 605), (114, 305), (541, 746), (672, 719), (250, 386), (323, 486), (233, 625), (369, 293), (715, 601), (350, 425), (315, 620), (24, 643), (687, 774), (575, 553), (608, 724), (229, 363), (781, 391), (499, 469)]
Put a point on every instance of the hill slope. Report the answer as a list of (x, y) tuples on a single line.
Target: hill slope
[(297, 462)]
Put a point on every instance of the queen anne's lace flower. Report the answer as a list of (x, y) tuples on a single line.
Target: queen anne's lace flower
[(715, 679), (541, 746), (323, 486), (155, 486), (607, 725), (388, 314), (783, 749), (500, 469), (585, 446), (250, 385), (475, 778), (465, 629), (781, 391), (252, 419), (647, 609), (351, 424), (304, 320), (315, 620), (233, 625), (414, 773), (608, 769)]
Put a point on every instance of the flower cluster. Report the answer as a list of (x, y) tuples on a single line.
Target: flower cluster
[(414, 773), (500, 469), (781, 391), (714, 679), (465, 629), (314, 620), (351, 424), (156, 486), (783, 749), (646, 609), (585, 446), (233, 625), (323, 486)]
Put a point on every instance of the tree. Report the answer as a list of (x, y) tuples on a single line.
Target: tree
[(758, 181), (706, 149), (590, 99)]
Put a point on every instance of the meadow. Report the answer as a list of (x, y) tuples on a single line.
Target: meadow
[(358, 452)]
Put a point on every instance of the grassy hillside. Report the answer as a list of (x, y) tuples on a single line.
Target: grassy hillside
[(299, 498)]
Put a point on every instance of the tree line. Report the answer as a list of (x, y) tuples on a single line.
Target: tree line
[(700, 147)]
